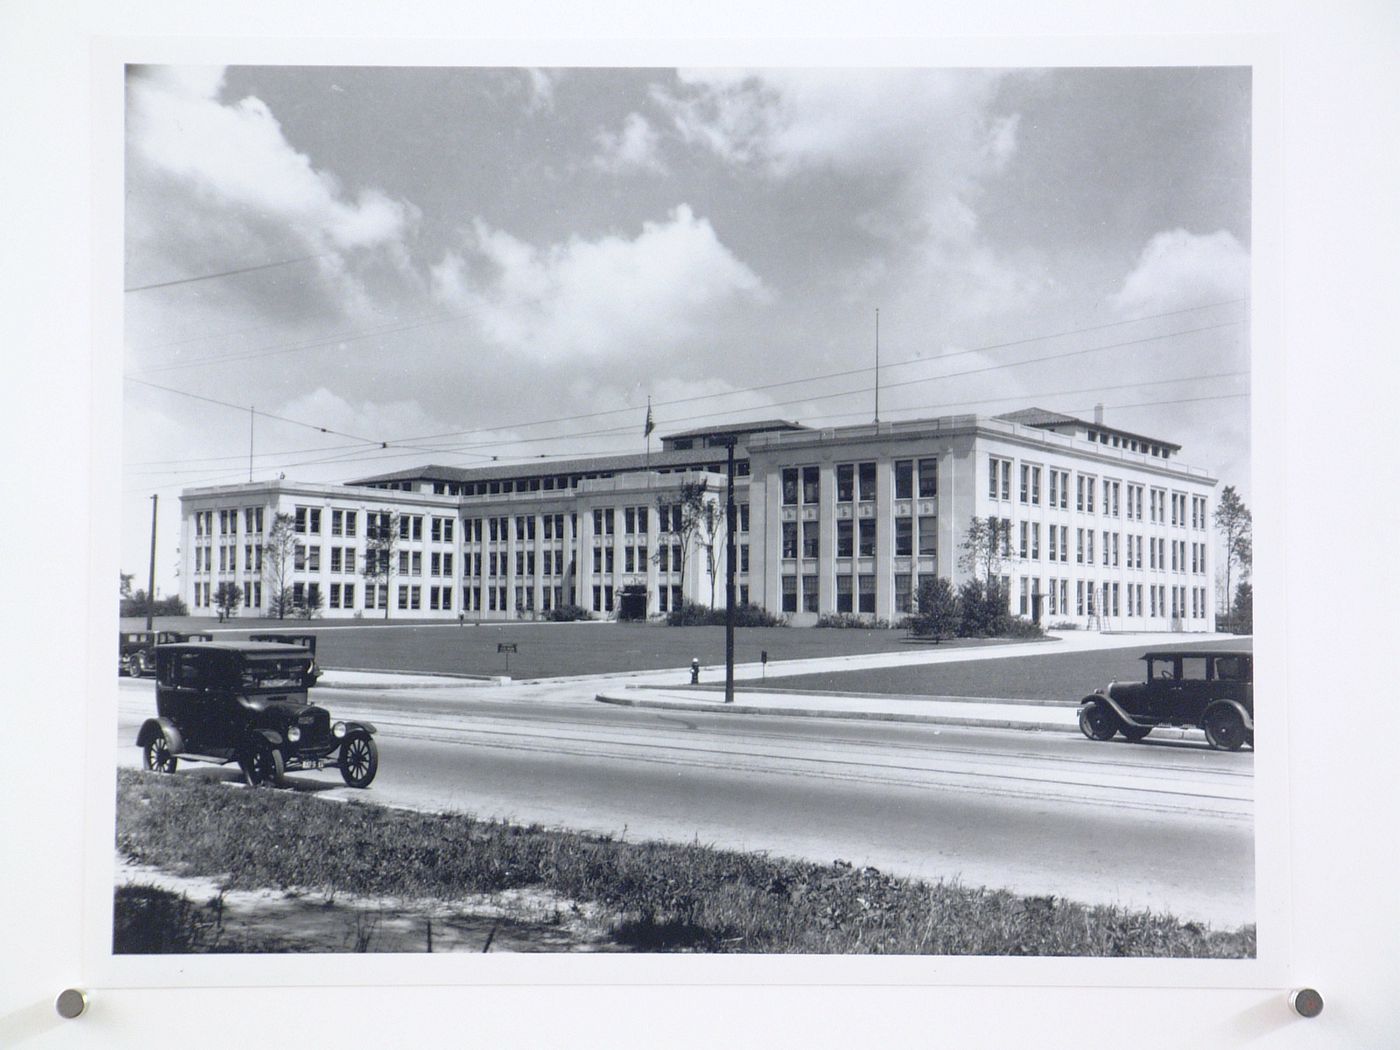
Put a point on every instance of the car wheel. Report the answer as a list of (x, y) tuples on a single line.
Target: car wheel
[(158, 756), (132, 665), (1097, 721), (263, 765), (1132, 734), (1224, 728), (359, 760)]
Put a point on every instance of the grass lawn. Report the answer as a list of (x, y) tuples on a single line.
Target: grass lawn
[(653, 896), (1044, 676), (549, 650)]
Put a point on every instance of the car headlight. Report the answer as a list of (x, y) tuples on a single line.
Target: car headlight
[(338, 730), (293, 734)]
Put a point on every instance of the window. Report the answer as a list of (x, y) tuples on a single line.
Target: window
[(790, 499), (743, 517), (867, 537), (928, 534), (844, 594), (903, 537), (1025, 539), (867, 594), (811, 485), (789, 594), (790, 539), (1025, 483), (845, 482), (809, 593), (845, 538), (866, 473), (1035, 541), (998, 478), (928, 478), (298, 558), (903, 592), (904, 479), (810, 542)]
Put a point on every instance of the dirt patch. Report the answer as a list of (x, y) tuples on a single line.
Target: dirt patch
[(292, 921)]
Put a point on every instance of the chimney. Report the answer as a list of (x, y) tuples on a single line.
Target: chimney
[(1098, 414)]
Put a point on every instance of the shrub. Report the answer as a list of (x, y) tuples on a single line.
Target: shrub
[(1065, 625), (982, 610), (136, 606), (938, 616), (1020, 627), (693, 614), (567, 614), (853, 620)]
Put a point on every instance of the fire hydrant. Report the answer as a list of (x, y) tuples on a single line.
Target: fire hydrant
[(695, 672)]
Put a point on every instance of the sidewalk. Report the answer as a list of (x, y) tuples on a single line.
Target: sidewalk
[(974, 712)]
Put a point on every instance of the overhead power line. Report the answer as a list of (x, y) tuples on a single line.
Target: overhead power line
[(224, 273)]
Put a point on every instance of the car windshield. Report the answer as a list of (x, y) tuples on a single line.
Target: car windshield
[(275, 674)]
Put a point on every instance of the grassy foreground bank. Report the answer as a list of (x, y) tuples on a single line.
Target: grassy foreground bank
[(659, 897)]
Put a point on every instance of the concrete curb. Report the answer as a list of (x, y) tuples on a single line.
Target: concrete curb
[(1006, 701), (868, 716), (447, 680)]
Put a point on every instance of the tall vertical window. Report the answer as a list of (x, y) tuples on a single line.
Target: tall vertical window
[(928, 534), (845, 482), (928, 478), (789, 539), (844, 594), (867, 594), (866, 474), (904, 479), (790, 491), (867, 538), (903, 537), (845, 538), (811, 484), (789, 594), (810, 541), (998, 478), (809, 593)]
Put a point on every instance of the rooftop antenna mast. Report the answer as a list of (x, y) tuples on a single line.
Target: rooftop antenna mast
[(877, 364)]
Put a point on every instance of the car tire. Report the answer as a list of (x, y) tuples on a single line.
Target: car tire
[(1097, 721), (359, 760), (1224, 728), (1132, 734), (132, 665), (157, 755), (263, 765)]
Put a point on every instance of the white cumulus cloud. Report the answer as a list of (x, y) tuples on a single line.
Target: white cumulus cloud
[(634, 148), (596, 298), (236, 154), (1179, 270)]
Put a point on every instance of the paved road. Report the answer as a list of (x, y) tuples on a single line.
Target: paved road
[(1166, 825)]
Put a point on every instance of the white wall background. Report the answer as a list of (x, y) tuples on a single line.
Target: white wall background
[(1330, 508)]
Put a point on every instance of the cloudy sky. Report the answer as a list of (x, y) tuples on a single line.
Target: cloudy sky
[(476, 265)]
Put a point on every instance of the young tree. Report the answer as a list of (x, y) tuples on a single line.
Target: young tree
[(381, 542), (680, 522), (279, 552), (937, 616), (226, 598), (312, 602), (1236, 527), (127, 577), (1242, 615), (984, 544)]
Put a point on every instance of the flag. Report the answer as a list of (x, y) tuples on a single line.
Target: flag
[(646, 431)]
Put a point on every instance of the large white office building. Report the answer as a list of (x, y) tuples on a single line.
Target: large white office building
[(1097, 526)]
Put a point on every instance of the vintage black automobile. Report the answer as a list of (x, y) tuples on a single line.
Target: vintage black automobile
[(1211, 690), (248, 702), (136, 649), (306, 641)]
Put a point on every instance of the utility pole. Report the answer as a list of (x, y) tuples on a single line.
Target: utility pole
[(729, 560), (151, 579), (877, 364), (250, 442)]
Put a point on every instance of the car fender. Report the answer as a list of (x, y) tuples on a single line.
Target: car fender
[(365, 727), (1243, 711), (270, 735), (1117, 709), (153, 726)]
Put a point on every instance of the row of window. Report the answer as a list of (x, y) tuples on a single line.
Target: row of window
[(1115, 498), (857, 538), (802, 485)]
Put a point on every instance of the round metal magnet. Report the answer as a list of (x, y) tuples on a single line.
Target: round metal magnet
[(71, 1003), (1306, 1002)]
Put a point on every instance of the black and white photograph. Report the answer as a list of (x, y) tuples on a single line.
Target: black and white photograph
[(791, 510), (732, 525)]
